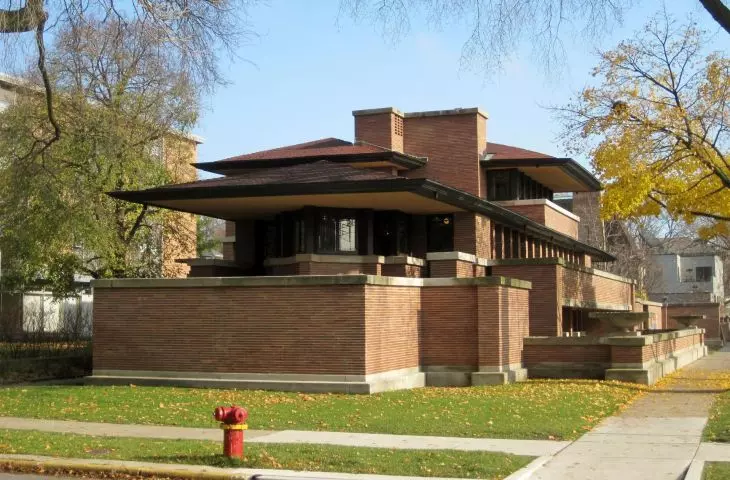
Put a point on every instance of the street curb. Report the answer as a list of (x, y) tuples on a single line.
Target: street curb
[(526, 472), (117, 466), (694, 472), (61, 465)]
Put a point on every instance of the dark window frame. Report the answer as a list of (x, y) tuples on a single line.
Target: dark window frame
[(446, 242), (338, 215), (705, 276)]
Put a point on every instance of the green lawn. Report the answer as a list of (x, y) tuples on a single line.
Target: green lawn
[(530, 410), (718, 424), (435, 463), (716, 471)]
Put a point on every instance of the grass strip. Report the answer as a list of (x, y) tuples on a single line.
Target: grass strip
[(716, 471), (537, 409), (718, 423), (319, 458)]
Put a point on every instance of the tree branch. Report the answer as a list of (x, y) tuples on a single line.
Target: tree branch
[(719, 12)]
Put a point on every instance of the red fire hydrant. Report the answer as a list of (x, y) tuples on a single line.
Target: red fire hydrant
[(233, 423)]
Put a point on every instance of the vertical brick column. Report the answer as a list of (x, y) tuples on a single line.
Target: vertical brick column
[(502, 323)]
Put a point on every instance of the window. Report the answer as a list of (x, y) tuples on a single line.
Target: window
[(336, 233), (499, 185), (440, 235), (704, 274), (390, 233)]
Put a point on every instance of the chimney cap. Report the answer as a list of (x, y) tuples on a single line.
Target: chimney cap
[(453, 111), (376, 111)]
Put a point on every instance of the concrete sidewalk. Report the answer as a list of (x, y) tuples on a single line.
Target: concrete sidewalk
[(656, 437), (535, 448)]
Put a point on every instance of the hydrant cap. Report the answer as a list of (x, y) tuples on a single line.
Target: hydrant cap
[(230, 415)]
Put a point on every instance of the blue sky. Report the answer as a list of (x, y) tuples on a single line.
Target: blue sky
[(307, 71)]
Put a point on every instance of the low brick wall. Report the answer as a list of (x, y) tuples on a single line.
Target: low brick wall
[(336, 333), (641, 359)]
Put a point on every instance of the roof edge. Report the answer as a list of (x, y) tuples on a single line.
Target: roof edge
[(570, 166)]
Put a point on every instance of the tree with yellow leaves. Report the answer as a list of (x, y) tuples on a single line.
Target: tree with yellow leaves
[(657, 126)]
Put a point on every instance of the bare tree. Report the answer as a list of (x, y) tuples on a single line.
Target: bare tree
[(194, 31), (495, 28)]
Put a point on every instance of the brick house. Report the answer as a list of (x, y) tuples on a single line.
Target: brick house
[(419, 253)]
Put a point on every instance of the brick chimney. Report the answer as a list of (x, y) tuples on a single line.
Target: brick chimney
[(380, 126), (454, 142)]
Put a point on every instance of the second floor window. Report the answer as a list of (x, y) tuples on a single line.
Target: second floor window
[(704, 274)]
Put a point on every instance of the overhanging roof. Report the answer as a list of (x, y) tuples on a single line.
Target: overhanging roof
[(417, 196), (558, 174), (329, 149)]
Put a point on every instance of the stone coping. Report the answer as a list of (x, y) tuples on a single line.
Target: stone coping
[(405, 260), (376, 111), (617, 307), (540, 201), (563, 341), (561, 262), (620, 341), (318, 258), (460, 256), (453, 111), (648, 302), (694, 304), (308, 280), (206, 262)]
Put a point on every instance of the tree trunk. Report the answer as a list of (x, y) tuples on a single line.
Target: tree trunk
[(25, 19)]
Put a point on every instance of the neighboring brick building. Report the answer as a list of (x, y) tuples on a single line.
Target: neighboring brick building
[(317, 231)]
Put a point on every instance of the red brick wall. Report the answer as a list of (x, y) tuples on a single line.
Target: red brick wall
[(322, 268), (327, 329), (501, 330), (545, 310), (450, 269), (303, 329), (401, 270), (472, 234), (449, 326), (379, 129), (655, 314), (585, 287), (452, 145), (711, 310), (553, 284), (547, 216), (536, 354), (391, 327)]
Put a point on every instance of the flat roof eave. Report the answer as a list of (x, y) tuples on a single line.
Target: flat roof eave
[(567, 165), (440, 197)]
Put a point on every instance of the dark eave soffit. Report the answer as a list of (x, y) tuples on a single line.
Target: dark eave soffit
[(424, 187), (570, 166)]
